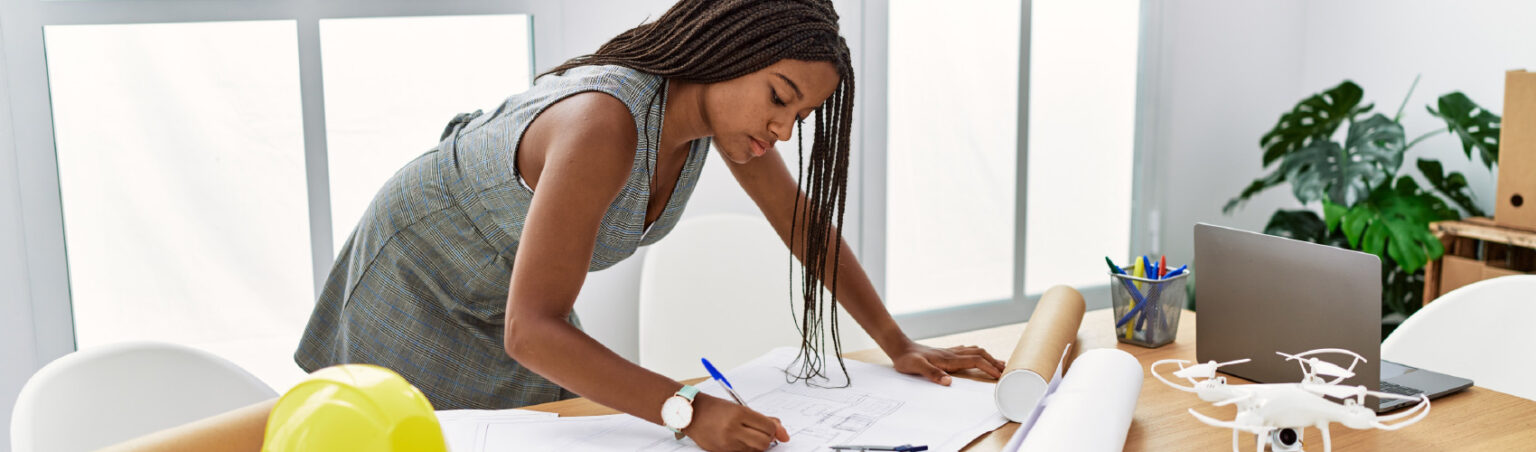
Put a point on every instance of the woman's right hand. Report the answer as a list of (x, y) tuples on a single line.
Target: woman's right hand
[(720, 425)]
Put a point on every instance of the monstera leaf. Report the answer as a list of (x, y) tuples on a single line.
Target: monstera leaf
[(1477, 128), (1453, 186), (1314, 119), (1302, 225), (1274, 178), (1325, 171), (1393, 222)]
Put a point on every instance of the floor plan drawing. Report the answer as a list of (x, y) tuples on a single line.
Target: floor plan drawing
[(880, 406)]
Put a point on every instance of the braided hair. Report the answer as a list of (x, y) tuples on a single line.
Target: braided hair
[(708, 41)]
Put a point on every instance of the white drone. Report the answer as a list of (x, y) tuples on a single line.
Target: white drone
[(1282, 410)]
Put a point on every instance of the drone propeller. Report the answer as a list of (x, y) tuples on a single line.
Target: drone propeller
[(1418, 412), (1205, 370), (1330, 369), (1314, 366)]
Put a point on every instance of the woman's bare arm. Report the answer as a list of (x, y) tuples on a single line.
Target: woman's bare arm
[(588, 143)]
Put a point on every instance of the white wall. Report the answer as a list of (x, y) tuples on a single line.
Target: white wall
[(1225, 72), (1229, 69)]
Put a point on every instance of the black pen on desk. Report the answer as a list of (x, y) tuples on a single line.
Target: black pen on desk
[(901, 448)]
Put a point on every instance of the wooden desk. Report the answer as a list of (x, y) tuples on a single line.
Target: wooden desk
[(1475, 419)]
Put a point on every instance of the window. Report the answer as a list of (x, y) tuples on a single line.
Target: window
[(953, 95), (953, 180), (391, 84), (181, 171), (195, 188)]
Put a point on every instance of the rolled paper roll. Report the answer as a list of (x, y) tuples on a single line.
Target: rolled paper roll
[(1039, 352), (1092, 408)]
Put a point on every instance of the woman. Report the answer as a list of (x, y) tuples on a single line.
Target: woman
[(462, 274)]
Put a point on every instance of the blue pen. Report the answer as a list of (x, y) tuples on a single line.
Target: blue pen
[(1128, 286), (723, 382), (901, 448), (728, 389), (1135, 294), (1158, 291)]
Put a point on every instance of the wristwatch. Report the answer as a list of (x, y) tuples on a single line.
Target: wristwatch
[(677, 411)]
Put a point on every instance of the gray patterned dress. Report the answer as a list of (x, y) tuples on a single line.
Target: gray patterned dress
[(421, 285)]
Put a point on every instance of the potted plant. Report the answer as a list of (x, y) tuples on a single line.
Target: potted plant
[(1368, 202)]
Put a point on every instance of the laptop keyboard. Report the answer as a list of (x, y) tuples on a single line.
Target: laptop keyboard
[(1399, 389)]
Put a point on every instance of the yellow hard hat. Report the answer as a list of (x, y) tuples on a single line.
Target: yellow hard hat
[(353, 407)]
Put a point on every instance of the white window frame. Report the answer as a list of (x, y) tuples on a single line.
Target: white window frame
[(21, 33), (873, 132)]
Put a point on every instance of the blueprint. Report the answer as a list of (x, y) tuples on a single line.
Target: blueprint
[(881, 407)]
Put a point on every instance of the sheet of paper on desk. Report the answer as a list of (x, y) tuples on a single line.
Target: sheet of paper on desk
[(882, 407), (463, 428)]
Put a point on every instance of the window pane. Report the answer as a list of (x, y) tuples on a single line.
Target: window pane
[(953, 129), (181, 168), (1082, 106), (391, 84)]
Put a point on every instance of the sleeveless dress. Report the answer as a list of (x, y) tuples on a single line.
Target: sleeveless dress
[(421, 285)]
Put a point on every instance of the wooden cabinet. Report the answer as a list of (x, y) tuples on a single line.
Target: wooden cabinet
[(1477, 249)]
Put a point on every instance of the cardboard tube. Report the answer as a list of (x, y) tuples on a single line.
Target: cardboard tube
[(1039, 351)]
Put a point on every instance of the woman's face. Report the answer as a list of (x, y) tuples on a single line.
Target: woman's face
[(748, 114)]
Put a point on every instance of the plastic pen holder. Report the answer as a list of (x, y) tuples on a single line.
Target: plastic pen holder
[(1147, 310)]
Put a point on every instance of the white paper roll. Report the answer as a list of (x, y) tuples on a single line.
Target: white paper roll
[(1091, 409)]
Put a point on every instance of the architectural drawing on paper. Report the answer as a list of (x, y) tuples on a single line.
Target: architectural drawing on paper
[(816, 418)]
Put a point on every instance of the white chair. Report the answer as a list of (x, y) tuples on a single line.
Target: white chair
[(719, 287), (106, 395), (1481, 331)]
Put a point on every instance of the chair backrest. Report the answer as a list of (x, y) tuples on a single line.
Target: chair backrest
[(1481, 331), (105, 395), (720, 287)]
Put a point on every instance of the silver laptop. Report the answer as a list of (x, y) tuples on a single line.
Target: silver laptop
[(1259, 294)]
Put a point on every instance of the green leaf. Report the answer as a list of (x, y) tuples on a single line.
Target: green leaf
[(1297, 224), (1313, 119), (1478, 128), (1354, 225), (1393, 222), (1258, 185), (1453, 186), (1333, 213), (1323, 170)]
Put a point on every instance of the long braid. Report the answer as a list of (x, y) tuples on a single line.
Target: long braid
[(708, 41)]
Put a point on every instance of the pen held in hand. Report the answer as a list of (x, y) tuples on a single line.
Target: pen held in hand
[(715, 374)]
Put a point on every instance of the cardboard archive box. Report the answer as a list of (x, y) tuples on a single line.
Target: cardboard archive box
[(1516, 203)]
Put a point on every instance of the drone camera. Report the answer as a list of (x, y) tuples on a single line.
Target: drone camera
[(1285, 440)]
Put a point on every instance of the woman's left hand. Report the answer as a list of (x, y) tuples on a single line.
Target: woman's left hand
[(935, 364)]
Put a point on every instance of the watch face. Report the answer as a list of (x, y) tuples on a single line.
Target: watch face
[(677, 412)]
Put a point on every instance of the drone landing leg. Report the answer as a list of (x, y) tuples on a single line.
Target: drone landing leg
[(1234, 440), (1327, 442), (1259, 440)]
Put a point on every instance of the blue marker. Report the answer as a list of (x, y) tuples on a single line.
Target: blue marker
[(1129, 287), (723, 382)]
